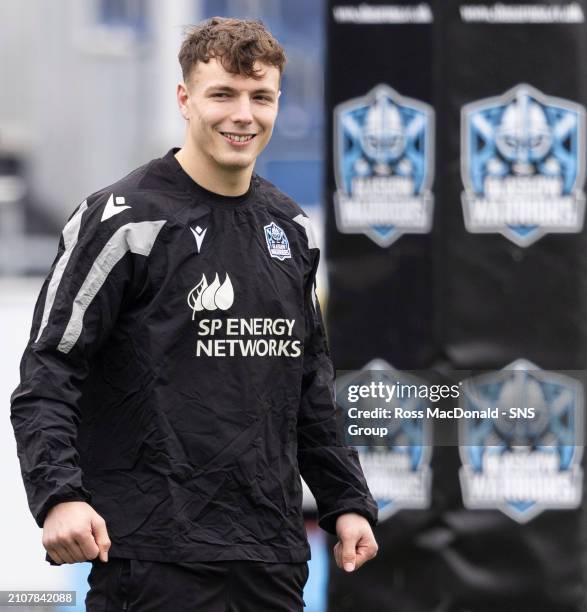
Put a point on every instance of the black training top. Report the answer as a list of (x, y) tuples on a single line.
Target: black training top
[(178, 378)]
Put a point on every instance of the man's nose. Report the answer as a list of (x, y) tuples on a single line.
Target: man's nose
[(242, 112)]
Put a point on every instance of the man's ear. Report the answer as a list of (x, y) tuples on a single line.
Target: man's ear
[(182, 100)]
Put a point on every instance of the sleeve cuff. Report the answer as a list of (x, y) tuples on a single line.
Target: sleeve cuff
[(328, 521), (57, 499)]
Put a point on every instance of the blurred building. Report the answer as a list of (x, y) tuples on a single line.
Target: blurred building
[(88, 93)]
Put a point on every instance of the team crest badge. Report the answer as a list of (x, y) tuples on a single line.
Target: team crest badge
[(523, 165), (277, 242), (384, 164), (397, 468), (528, 459)]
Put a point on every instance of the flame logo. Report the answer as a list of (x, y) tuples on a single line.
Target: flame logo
[(214, 296)]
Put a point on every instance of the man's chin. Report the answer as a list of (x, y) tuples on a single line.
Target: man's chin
[(236, 163)]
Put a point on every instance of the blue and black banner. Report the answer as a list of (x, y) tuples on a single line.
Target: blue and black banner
[(455, 195)]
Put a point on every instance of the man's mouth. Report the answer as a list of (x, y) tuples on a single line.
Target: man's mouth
[(238, 137)]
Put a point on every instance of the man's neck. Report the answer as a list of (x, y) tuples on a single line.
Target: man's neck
[(230, 182)]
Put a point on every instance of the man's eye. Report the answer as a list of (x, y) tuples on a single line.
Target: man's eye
[(263, 98), (220, 95)]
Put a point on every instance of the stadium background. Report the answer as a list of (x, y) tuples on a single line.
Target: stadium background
[(88, 93)]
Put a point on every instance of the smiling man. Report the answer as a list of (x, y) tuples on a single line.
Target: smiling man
[(177, 380), (230, 117)]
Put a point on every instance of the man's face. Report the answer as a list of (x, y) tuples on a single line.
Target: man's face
[(231, 117)]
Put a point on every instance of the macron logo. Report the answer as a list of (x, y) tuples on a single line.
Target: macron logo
[(199, 234), (112, 209)]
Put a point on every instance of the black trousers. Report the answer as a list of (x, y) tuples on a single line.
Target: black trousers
[(219, 586)]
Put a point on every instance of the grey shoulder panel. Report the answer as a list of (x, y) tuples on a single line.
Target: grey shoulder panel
[(305, 223), (70, 238), (137, 238)]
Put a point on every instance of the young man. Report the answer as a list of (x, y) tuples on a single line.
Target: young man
[(177, 380)]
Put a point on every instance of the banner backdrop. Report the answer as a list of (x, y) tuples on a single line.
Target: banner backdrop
[(380, 149), (455, 195)]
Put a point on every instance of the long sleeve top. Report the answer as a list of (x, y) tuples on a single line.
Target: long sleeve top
[(177, 376)]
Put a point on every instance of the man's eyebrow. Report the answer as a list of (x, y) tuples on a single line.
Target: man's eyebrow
[(228, 89), (265, 90)]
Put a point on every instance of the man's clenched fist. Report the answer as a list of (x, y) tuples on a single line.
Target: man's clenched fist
[(74, 532), (356, 542)]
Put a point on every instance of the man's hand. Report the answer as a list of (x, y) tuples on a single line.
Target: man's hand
[(356, 542), (74, 532)]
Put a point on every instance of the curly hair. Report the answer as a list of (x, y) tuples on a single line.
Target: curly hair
[(237, 43)]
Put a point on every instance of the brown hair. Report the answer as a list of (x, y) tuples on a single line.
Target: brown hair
[(237, 43)]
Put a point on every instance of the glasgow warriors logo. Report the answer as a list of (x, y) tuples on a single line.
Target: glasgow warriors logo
[(527, 460), (523, 165), (277, 242), (383, 163), (397, 467)]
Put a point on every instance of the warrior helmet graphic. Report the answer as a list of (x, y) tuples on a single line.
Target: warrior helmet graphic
[(383, 138), (523, 136), (276, 233)]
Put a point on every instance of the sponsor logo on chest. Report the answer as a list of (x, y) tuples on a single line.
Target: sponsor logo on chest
[(234, 336)]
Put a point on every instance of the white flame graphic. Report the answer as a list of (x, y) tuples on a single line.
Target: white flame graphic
[(211, 297), (208, 294), (224, 297)]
